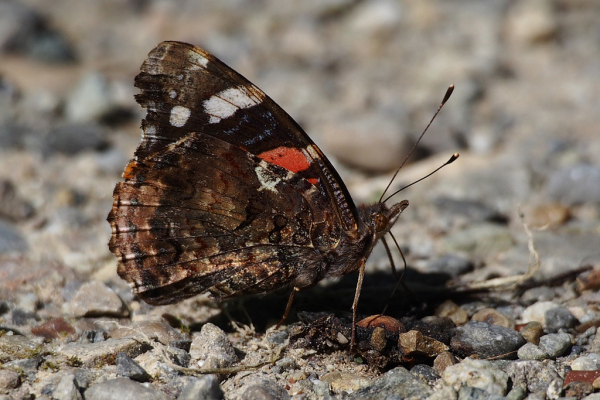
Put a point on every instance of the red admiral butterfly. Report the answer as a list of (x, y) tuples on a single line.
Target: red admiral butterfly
[(226, 193)]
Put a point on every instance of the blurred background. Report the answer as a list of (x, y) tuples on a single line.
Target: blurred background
[(362, 77)]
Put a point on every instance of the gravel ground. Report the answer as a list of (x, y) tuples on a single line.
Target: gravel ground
[(503, 246)]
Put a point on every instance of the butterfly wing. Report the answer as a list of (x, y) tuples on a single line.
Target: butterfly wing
[(226, 193)]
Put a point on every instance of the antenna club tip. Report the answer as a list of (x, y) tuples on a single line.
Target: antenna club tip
[(448, 94), (453, 158)]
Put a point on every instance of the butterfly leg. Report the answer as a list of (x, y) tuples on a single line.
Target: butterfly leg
[(361, 275), (288, 307)]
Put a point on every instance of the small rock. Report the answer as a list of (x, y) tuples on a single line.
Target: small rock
[(493, 317), (481, 239), (66, 389), (98, 354), (265, 390), (278, 338), (537, 312), (530, 351), (212, 348), (95, 299), (578, 389), (480, 374), (516, 393), (548, 216), (344, 381), (472, 210), (531, 22), (555, 344), (415, 343), (378, 340), (538, 294), (128, 368), (473, 393), (426, 373), (29, 366), (532, 332), (589, 362), (123, 388), (375, 16), (451, 310), (9, 379), (12, 206), (575, 185), (535, 375), (11, 240), (157, 329), (559, 318), (443, 361), (555, 389), (397, 383), (90, 100), (204, 387), (581, 376), (486, 341), (53, 329)]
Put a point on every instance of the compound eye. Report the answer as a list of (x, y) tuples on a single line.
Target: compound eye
[(381, 222)]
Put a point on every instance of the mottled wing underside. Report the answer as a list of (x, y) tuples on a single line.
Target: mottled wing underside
[(226, 193)]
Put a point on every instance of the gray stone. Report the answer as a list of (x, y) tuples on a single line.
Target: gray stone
[(555, 344), (425, 372), (445, 393), (575, 185), (72, 139), (479, 239), (128, 368), (66, 389), (559, 318), (9, 379), (451, 264), (97, 354), (517, 393), (530, 351), (204, 387), (11, 241), (95, 299), (212, 349), (398, 382), (90, 100), (486, 341), (472, 393), (537, 311), (588, 362), (265, 390), (124, 389), (479, 374), (535, 375)]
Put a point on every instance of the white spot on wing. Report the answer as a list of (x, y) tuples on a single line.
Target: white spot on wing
[(266, 179), (179, 116), (198, 61), (226, 103)]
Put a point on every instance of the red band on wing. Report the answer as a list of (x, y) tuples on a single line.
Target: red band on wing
[(289, 158)]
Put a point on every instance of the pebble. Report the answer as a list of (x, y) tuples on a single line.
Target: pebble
[(535, 375), (486, 341), (128, 368), (537, 312), (480, 374), (575, 185), (211, 348), (95, 299), (66, 389), (538, 294), (97, 354), (265, 390), (13, 207), (451, 310), (532, 332), (443, 361), (555, 344), (479, 240), (578, 389), (472, 393), (396, 383), (339, 381), (124, 389), (415, 343), (531, 22), (445, 393), (589, 362), (203, 387), (493, 317), (530, 351), (153, 328), (9, 379), (426, 373), (559, 318), (471, 210), (11, 241), (53, 329), (90, 100), (72, 139)]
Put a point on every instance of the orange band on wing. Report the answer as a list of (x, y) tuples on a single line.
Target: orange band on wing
[(287, 157)]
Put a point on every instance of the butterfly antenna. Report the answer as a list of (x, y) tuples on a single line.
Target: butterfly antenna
[(450, 161), (400, 280), (446, 97)]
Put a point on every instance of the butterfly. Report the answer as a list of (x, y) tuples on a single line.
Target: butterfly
[(226, 193)]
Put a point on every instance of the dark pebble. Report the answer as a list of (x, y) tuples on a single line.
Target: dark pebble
[(265, 390), (397, 383), (486, 341), (204, 387), (425, 372), (128, 368), (183, 344), (559, 318), (73, 139), (21, 317), (451, 264)]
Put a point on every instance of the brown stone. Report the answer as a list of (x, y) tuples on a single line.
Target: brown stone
[(53, 328), (415, 343)]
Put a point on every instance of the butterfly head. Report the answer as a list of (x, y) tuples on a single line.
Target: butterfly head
[(381, 218)]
